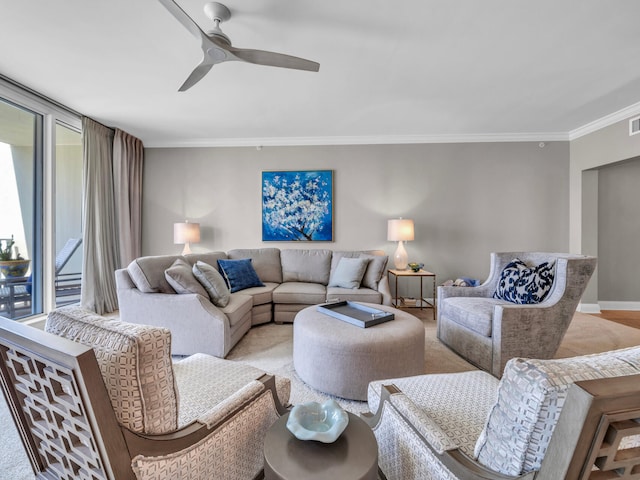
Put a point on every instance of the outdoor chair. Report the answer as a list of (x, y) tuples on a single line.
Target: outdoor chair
[(97, 398), (574, 418), (536, 301), (67, 285)]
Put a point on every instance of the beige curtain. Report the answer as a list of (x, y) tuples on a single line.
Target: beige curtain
[(100, 237), (128, 158)]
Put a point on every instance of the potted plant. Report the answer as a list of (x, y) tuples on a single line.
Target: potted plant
[(12, 267)]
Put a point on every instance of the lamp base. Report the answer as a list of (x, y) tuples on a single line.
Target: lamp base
[(400, 258), (187, 249)]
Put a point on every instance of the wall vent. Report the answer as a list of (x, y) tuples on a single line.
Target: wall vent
[(634, 126)]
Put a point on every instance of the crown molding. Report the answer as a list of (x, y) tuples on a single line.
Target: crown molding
[(607, 120), (359, 140)]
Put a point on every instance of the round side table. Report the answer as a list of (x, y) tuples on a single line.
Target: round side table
[(354, 455)]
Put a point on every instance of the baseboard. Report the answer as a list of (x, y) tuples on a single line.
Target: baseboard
[(619, 305), (588, 308)]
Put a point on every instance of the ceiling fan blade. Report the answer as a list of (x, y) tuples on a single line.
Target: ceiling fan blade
[(183, 18), (197, 74), (272, 59)]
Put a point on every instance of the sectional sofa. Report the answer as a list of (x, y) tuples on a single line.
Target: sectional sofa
[(291, 279)]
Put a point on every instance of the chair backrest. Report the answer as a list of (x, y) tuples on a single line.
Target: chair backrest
[(58, 400), (530, 399), (65, 254), (135, 361)]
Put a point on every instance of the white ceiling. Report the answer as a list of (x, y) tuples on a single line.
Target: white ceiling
[(406, 71)]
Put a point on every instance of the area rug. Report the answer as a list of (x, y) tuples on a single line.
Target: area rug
[(269, 347)]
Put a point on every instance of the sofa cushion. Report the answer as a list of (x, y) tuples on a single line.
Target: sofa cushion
[(135, 361), (353, 295), (474, 313), (300, 293), (261, 295), (147, 273), (457, 402), (523, 284), (215, 286), (310, 266), (181, 279), (239, 274), (238, 307), (531, 395), (204, 381), (348, 273), (265, 261)]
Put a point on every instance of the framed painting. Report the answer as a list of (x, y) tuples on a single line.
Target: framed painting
[(297, 206)]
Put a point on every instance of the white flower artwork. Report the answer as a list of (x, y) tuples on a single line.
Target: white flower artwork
[(297, 206)]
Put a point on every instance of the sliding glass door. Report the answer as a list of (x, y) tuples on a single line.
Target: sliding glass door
[(40, 204), (20, 211)]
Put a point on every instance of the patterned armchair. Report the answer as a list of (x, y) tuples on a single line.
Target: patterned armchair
[(488, 331), (545, 419), (95, 398)]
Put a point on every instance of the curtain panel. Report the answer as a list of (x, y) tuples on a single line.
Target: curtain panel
[(128, 158), (100, 238)]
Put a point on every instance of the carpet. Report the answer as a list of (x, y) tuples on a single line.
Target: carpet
[(269, 347)]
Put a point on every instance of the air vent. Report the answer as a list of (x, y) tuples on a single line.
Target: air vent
[(634, 126)]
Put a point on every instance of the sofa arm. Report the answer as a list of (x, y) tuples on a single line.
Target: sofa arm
[(450, 291), (195, 323), (383, 288)]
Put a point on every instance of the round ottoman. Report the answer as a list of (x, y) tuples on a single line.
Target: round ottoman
[(341, 359)]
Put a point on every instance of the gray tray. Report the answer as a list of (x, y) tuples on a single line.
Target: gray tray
[(355, 313)]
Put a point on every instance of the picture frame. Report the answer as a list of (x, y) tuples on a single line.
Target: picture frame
[(297, 206)]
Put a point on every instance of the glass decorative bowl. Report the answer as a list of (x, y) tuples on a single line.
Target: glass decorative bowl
[(314, 421), (416, 266)]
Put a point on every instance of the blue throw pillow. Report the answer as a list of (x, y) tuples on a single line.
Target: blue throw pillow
[(522, 284), (239, 274)]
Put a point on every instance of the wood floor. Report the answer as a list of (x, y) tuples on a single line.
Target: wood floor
[(631, 318)]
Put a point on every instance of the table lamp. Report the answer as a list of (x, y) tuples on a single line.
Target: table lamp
[(186, 233), (400, 230)]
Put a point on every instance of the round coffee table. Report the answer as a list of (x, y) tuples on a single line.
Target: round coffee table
[(354, 455), (341, 359)]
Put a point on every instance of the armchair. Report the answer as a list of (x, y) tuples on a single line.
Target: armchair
[(573, 418), (488, 331), (95, 398)]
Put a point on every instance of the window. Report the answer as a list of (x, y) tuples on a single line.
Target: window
[(40, 201)]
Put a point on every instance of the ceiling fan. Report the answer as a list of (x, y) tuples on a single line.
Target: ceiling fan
[(217, 48)]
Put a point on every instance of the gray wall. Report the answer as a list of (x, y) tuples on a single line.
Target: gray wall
[(588, 154), (619, 231), (466, 199)]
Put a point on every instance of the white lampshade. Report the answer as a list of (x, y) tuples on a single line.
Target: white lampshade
[(186, 233), (400, 230)]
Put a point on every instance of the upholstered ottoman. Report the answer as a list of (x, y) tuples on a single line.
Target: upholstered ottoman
[(341, 359)]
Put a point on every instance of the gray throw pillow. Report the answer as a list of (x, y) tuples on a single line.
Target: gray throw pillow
[(349, 273), (181, 279), (375, 270), (213, 283)]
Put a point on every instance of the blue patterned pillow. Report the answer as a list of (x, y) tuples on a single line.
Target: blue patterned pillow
[(522, 284), (239, 274)]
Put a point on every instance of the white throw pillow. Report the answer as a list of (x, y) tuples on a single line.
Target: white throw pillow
[(349, 272)]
